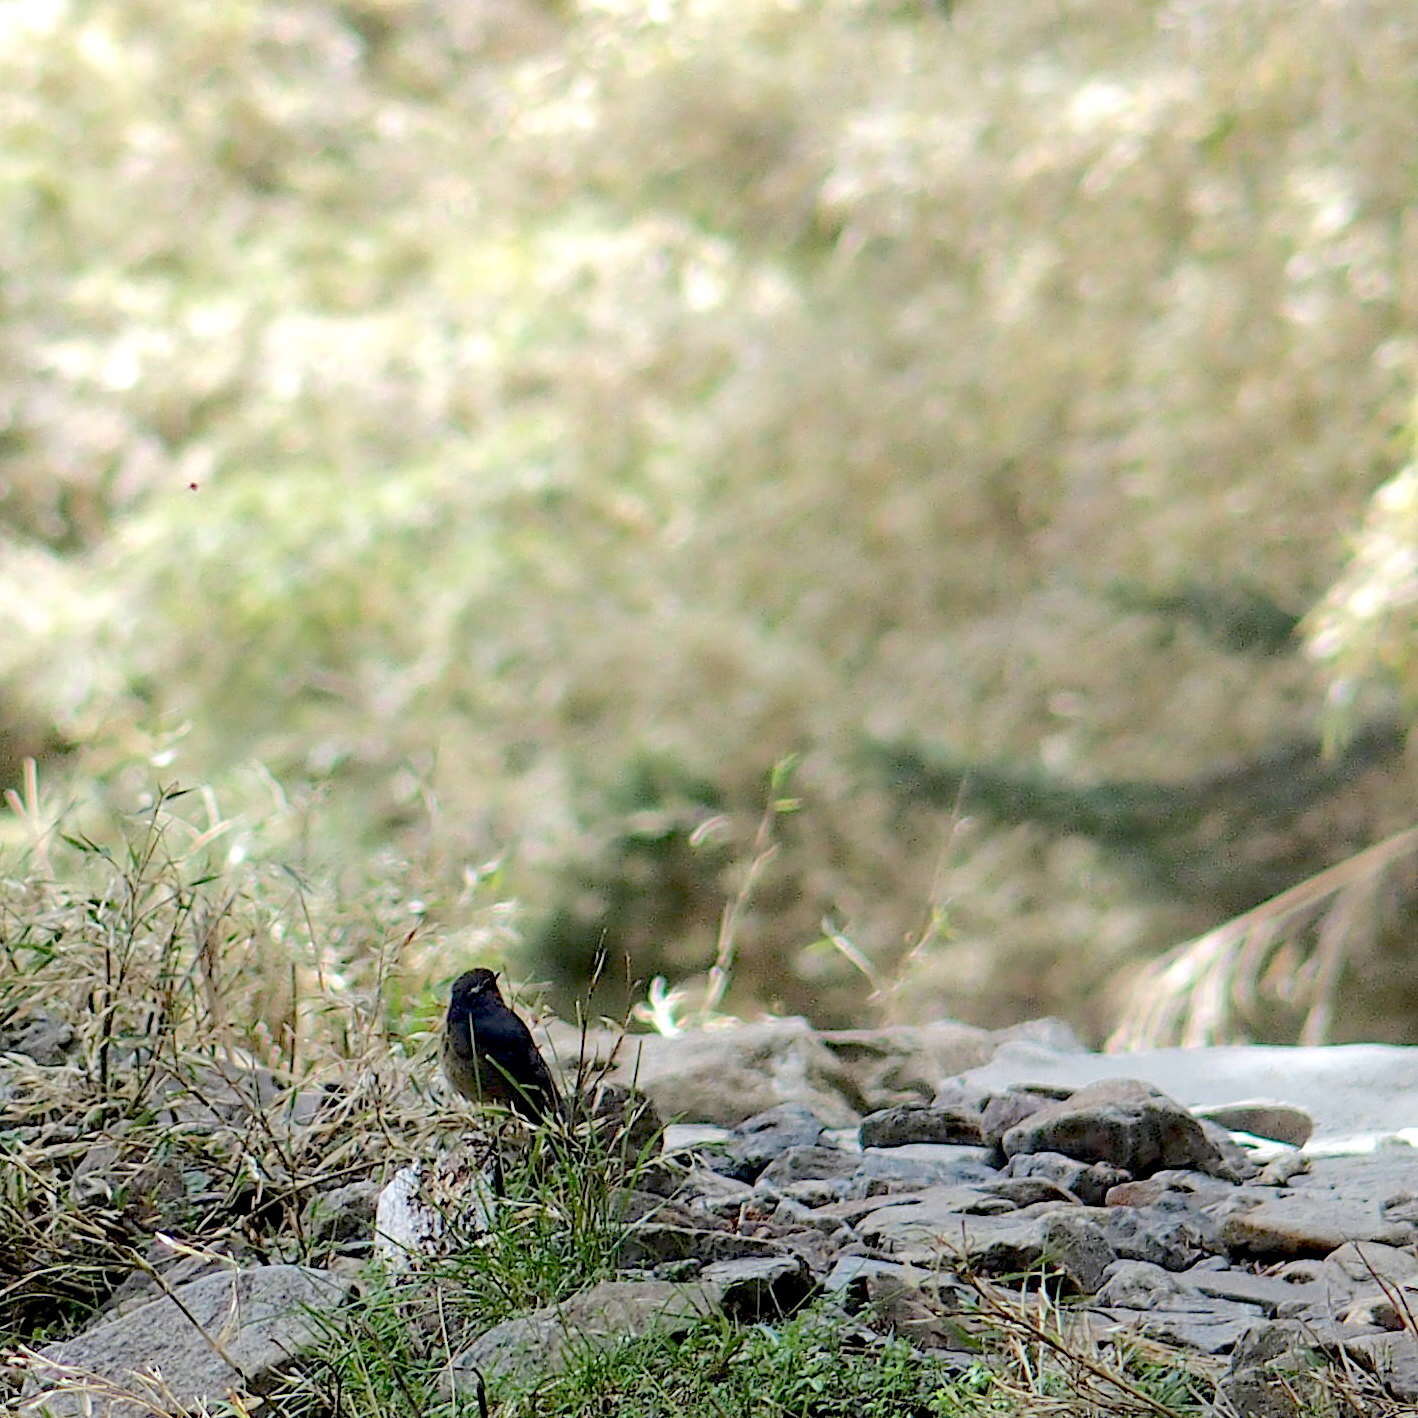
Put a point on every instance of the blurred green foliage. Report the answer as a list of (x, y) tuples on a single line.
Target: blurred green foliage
[(424, 415)]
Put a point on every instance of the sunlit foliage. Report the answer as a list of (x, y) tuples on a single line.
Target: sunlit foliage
[(513, 428)]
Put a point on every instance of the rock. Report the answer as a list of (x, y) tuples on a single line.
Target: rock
[(849, 1276), (644, 1246), (1262, 1117), (531, 1346), (1028, 1191), (1392, 1359), (1189, 1187), (1003, 1111), (1283, 1168), (344, 1214), (728, 1075), (704, 1191), (893, 1127), (907, 1062), (1299, 1224), (1273, 1295), (995, 1245), (139, 1287), (763, 1138), (1377, 1308), (613, 1120), (426, 1207), (937, 1202), (1140, 1285), (1369, 1262), (1356, 1093), (760, 1288), (1172, 1237), (1090, 1182), (39, 1035), (1265, 1364), (1213, 1329), (1236, 1164), (810, 1194), (809, 1163), (1119, 1121), (915, 1162), (261, 1316)]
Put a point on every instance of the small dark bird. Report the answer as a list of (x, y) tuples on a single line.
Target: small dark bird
[(488, 1053)]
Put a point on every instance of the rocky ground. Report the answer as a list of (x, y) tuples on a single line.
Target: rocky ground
[(938, 1183)]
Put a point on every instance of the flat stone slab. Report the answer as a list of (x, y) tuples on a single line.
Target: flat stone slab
[(1214, 1331), (539, 1343), (260, 1320), (1300, 1225)]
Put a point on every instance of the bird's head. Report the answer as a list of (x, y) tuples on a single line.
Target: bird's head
[(475, 986)]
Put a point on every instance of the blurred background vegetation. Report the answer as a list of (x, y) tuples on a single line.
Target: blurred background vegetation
[(480, 443)]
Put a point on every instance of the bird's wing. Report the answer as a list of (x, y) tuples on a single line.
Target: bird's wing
[(506, 1043), (459, 1034)]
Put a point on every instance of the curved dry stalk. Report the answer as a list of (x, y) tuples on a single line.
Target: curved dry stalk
[(1200, 991)]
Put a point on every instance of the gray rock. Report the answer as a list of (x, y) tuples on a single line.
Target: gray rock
[(1028, 1191), (1140, 1285), (762, 1287), (713, 1193), (1392, 1359), (812, 1194), (1262, 1117), (1377, 1307), (850, 1274), (531, 1346), (728, 1075), (1184, 1185), (907, 1062), (39, 1035), (810, 1163), (1090, 1182), (891, 1170), (994, 1245), (169, 1269), (1236, 1164), (1119, 1121), (1301, 1224), (1274, 1295), (1283, 1168), (645, 1246), (1369, 1262), (1174, 1238), (1356, 1093), (1212, 1330), (1003, 1111), (765, 1137), (227, 1333), (893, 1127), (343, 1214), (927, 1207), (1265, 1364)]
